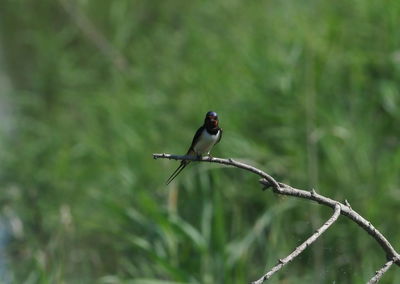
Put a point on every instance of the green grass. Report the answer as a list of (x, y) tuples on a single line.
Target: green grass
[(307, 91)]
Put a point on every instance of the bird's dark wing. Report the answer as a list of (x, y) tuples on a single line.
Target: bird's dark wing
[(195, 139), (220, 136), (189, 152)]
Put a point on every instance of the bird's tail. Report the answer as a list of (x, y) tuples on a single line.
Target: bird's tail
[(177, 171)]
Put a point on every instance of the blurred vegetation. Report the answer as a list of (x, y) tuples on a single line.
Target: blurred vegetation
[(307, 91)]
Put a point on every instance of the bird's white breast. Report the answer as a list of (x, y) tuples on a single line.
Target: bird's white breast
[(206, 142)]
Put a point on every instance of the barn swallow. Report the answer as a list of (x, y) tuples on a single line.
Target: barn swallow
[(205, 138)]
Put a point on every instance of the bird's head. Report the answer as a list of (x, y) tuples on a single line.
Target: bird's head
[(211, 120)]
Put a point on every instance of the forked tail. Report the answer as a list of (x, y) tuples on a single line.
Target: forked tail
[(177, 171)]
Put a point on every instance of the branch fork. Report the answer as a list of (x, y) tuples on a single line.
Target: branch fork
[(268, 181)]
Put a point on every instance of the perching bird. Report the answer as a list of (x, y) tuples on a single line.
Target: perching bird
[(205, 138)]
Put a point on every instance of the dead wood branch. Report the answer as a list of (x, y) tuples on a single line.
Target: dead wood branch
[(284, 189), (380, 272), (282, 262)]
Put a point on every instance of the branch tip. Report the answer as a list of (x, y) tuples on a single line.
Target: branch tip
[(303, 246)]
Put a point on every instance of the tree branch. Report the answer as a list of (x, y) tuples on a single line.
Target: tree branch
[(284, 189), (380, 272), (346, 210), (302, 247), (229, 162)]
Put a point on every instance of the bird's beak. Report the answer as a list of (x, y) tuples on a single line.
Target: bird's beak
[(213, 121)]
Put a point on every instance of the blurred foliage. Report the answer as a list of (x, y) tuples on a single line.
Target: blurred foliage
[(307, 91)]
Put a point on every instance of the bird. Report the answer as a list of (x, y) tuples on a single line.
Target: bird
[(204, 140)]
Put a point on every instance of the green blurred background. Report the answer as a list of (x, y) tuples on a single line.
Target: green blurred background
[(306, 90)]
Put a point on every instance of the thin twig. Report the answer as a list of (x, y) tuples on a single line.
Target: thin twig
[(302, 247), (229, 162), (284, 189), (94, 35), (380, 272)]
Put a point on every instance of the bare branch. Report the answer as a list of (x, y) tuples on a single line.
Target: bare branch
[(229, 162), (380, 272), (284, 189), (302, 247), (345, 210)]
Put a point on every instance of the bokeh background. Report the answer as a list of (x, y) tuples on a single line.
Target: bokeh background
[(306, 90)]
